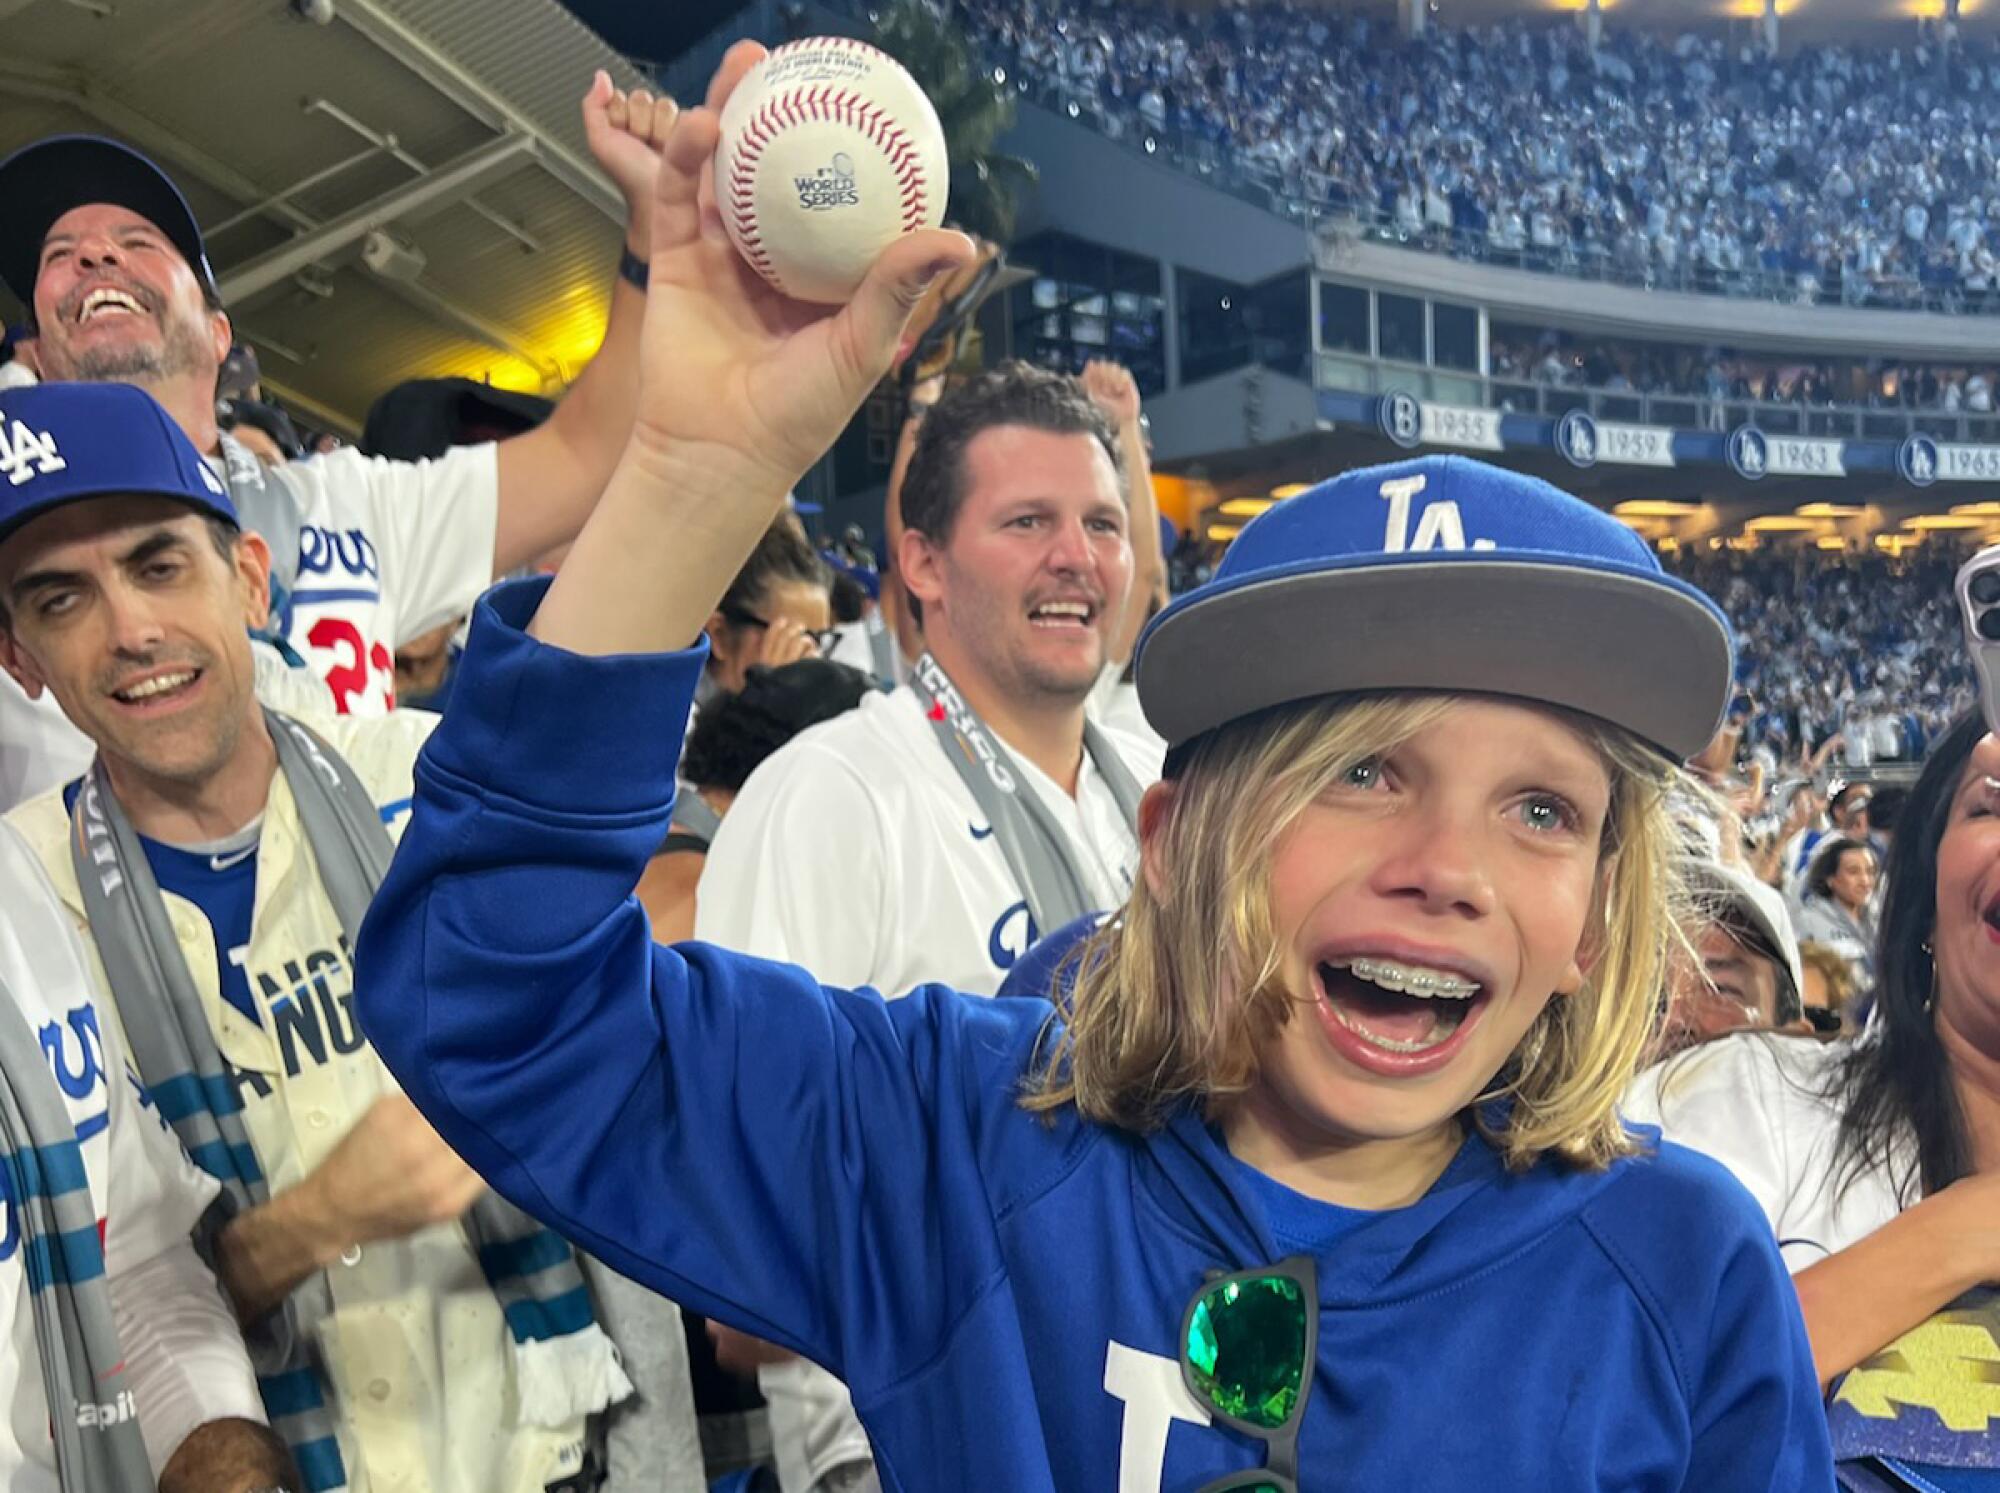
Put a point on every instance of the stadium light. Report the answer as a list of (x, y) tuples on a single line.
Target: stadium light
[(1293, 489), (1655, 508), (1830, 542), (1245, 507), (1829, 510), (1223, 533), (1977, 510), (1925, 521), (1783, 523)]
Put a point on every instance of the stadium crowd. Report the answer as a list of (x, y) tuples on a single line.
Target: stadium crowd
[(1726, 376), (1858, 176), (396, 1106)]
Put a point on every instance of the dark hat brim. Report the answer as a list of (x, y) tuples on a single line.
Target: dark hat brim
[(1647, 654)]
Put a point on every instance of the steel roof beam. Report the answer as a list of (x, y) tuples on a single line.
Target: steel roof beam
[(448, 183), (437, 68)]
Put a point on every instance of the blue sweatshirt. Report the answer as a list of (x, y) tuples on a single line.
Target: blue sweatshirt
[(854, 1178)]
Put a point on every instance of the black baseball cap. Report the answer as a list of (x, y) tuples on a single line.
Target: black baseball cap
[(41, 182)]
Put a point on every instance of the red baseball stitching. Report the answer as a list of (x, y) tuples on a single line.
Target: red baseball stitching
[(823, 104)]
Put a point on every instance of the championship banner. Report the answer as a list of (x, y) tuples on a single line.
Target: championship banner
[(1411, 422), (1755, 454), (1584, 441), (1922, 461)]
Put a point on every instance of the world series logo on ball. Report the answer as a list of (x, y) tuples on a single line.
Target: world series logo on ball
[(829, 187), (829, 152)]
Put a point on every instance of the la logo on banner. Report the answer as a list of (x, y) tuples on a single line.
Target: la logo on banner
[(25, 453)]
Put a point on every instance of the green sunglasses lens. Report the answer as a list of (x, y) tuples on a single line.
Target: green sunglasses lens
[(1246, 1347)]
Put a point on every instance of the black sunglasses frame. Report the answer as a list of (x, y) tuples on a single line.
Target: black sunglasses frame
[(1281, 1461)]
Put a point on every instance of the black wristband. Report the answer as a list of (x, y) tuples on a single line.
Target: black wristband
[(633, 270)]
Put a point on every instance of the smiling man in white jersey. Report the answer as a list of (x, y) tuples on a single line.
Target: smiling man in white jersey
[(934, 832), (409, 1332), (367, 553)]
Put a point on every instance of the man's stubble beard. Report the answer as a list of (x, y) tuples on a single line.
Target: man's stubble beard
[(181, 351)]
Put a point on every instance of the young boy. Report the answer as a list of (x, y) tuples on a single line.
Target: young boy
[(1317, 1180)]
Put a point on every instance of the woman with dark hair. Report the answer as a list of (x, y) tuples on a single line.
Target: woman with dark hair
[(1838, 911), (777, 610), (1877, 1161)]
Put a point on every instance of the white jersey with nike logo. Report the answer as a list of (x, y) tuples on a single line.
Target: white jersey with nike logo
[(858, 852)]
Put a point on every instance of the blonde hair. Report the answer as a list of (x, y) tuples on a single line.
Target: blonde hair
[(1153, 1021)]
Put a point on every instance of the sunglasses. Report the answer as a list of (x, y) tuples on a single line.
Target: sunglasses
[(823, 638), (1248, 1345)]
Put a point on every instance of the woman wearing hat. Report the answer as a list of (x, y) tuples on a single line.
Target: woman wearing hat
[(1318, 1181)]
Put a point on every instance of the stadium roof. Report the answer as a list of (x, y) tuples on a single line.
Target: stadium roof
[(452, 124)]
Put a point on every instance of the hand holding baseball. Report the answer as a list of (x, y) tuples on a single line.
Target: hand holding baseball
[(733, 374)]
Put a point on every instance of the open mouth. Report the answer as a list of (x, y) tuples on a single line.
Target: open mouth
[(107, 301), (157, 689), (1063, 616), (1992, 918), (1390, 1015)]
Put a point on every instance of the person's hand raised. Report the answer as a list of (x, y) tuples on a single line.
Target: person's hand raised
[(625, 132), (1112, 389)]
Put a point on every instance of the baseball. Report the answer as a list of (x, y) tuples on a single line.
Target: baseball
[(829, 151)]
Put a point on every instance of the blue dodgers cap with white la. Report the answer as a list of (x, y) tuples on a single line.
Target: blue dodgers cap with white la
[(61, 443), (1445, 574)]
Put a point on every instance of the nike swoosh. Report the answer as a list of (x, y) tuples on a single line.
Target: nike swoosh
[(235, 858), (977, 832)]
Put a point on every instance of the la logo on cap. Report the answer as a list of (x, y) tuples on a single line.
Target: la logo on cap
[(1441, 525), (25, 453)]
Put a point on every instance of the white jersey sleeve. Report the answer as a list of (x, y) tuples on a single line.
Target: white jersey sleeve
[(184, 1349), (798, 871), (189, 1365), (1717, 1100), (1767, 1107)]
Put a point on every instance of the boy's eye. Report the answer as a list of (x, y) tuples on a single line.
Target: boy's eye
[(1547, 814), (1363, 774)]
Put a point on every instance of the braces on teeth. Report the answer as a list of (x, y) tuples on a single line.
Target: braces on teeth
[(1406, 979)]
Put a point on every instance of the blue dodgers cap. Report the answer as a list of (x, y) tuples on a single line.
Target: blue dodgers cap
[(61, 443), (1447, 574), (41, 182)]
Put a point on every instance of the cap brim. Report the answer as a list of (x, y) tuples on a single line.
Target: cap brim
[(1635, 652), (18, 521), (40, 183), (1731, 888)]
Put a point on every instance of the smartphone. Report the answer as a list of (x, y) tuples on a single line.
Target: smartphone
[(1978, 589)]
